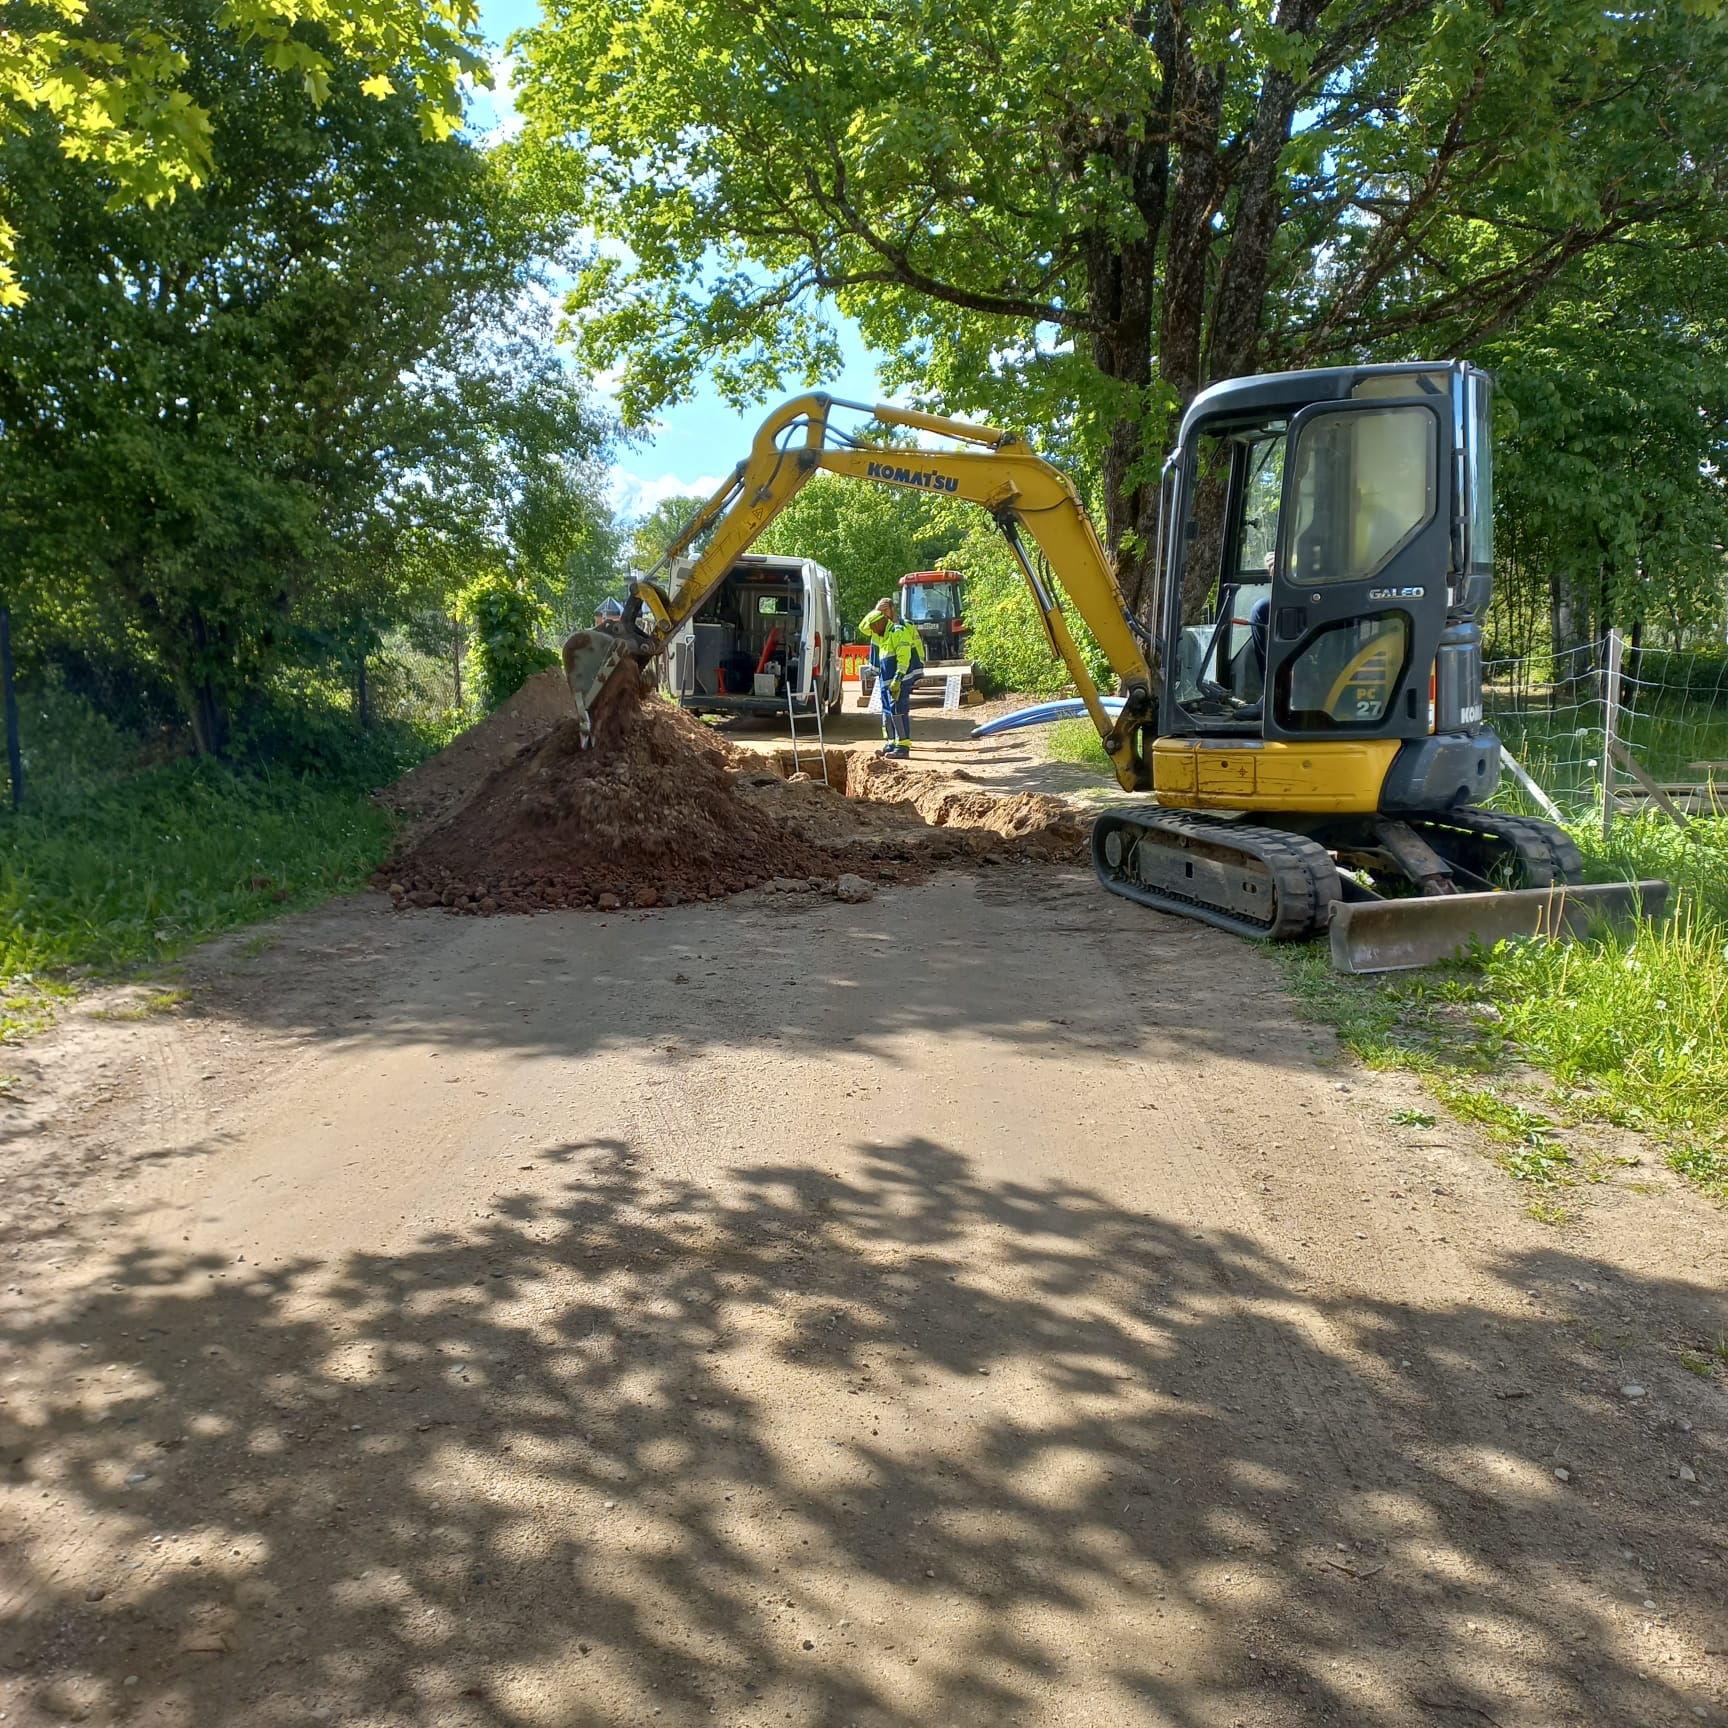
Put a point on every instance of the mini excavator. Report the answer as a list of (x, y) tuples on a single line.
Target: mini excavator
[(1308, 720)]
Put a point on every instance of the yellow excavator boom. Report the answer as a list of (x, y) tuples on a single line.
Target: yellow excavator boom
[(1017, 486)]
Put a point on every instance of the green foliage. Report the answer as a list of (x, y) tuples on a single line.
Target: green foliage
[(1071, 216), (656, 531), (1077, 741), (869, 536), (1634, 1027), (1613, 432), (1008, 645), (1410, 1118), (135, 872), (507, 623), (262, 428), (511, 476), (1704, 1166), (296, 728), (1646, 1019), (67, 744), (117, 96)]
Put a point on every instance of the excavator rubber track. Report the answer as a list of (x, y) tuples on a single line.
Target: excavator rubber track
[(1503, 851), (1251, 881)]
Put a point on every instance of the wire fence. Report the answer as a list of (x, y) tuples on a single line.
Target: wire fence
[(1610, 728)]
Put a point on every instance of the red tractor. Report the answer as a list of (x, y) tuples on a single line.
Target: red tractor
[(930, 601)]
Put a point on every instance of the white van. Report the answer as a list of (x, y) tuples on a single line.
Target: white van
[(771, 625)]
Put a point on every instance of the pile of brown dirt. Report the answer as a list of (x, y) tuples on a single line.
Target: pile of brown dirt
[(432, 789), (649, 816)]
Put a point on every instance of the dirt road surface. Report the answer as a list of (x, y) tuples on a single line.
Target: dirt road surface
[(987, 1305)]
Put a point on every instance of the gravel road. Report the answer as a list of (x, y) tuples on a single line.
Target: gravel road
[(987, 1305)]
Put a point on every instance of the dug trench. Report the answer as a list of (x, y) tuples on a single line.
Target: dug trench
[(519, 816)]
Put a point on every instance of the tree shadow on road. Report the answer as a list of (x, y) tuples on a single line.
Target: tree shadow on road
[(903, 1449)]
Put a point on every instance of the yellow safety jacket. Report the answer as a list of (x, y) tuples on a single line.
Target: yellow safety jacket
[(902, 645)]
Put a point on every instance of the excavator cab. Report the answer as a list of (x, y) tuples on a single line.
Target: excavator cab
[(1331, 554), (1326, 558)]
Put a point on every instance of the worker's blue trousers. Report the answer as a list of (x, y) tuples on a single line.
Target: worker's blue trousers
[(897, 710)]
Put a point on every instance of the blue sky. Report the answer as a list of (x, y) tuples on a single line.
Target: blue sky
[(694, 445)]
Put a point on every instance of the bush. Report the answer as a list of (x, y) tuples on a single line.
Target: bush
[(507, 622), (304, 730), (66, 743)]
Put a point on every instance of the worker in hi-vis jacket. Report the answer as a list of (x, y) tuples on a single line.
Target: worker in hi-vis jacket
[(901, 664)]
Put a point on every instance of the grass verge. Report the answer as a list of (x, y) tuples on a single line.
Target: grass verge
[(1537, 1041), (137, 871), (1077, 741)]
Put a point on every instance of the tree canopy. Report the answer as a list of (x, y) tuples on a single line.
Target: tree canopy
[(660, 527), (259, 425), (1613, 477), (1075, 215), (113, 87)]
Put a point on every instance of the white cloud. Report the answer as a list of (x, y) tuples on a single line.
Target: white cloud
[(492, 113), (637, 494)]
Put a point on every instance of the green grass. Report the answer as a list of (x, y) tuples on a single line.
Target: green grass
[(1563, 750), (1076, 741), (102, 882), (1634, 1028), (1678, 715)]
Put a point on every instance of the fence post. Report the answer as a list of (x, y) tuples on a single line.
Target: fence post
[(14, 752), (1610, 727)]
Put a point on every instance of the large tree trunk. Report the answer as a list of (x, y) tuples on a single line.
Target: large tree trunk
[(1204, 320), (1122, 289), (1125, 279), (1239, 308)]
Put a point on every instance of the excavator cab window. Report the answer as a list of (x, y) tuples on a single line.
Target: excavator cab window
[(1232, 537), (1364, 482), (1363, 489)]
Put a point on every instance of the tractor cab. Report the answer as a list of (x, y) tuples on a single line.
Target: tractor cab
[(930, 602)]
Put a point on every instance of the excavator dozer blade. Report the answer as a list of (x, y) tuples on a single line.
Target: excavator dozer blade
[(592, 659), (1395, 935)]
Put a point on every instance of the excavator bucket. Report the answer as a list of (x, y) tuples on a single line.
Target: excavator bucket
[(592, 659), (1395, 935)]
